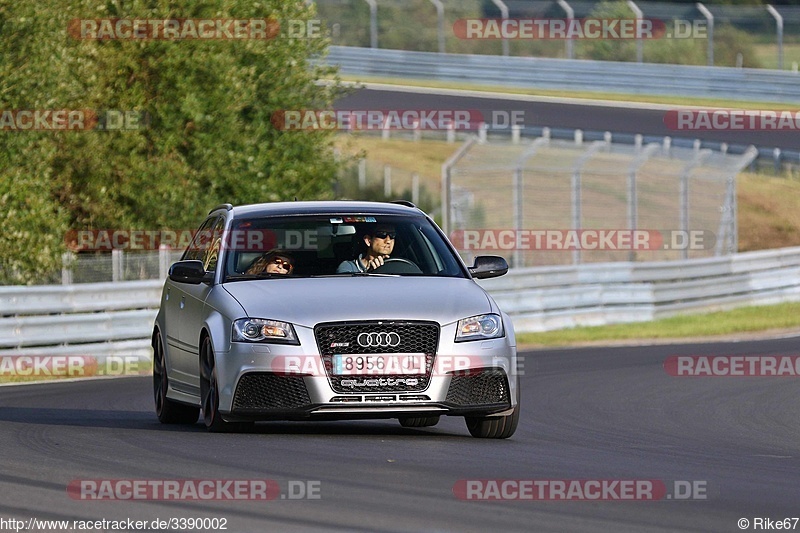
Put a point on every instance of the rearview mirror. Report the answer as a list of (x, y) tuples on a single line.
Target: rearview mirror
[(488, 266), (191, 271)]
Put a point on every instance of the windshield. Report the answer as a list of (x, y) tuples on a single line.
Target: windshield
[(336, 245)]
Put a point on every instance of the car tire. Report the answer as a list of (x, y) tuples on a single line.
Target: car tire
[(209, 394), (418, 421), (493, 427), (168, 411)]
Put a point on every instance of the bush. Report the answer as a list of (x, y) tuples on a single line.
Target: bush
[(729, 42), (210, 139), (608, 49)]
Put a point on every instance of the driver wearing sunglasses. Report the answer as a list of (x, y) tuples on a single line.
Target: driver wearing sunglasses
[(272, 262), (380, 244)]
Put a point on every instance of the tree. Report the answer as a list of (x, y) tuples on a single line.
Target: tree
[(209, 139)]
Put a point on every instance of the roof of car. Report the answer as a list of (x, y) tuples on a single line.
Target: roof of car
[(342, 207)]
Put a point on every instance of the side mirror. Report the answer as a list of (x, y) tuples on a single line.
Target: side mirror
[(488, 266), (189, 272)]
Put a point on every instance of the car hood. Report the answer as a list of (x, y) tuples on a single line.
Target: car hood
[(309, 301)]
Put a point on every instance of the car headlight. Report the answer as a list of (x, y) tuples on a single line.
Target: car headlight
[(479, 327), (262, 330)]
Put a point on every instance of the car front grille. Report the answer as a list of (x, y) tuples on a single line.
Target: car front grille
[(479, 387), (343, 338), (262, 390)]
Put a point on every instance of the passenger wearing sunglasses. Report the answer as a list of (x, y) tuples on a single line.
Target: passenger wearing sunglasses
[(272, 262), (379, 243)]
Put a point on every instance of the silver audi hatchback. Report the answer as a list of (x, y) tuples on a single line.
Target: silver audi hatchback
[(330, 311)]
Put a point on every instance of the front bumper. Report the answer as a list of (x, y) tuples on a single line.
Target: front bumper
[(468, 379), (271, 396)]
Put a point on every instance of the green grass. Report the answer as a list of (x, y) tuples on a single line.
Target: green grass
[(767, 54), (742, 320)]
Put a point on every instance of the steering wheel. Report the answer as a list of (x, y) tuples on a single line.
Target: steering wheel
[(398, 265)]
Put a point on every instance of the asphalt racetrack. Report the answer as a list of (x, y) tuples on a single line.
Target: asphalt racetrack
[(614, 117), (587, 414)]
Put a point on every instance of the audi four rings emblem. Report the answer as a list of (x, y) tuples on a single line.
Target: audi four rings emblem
[(379, 340)]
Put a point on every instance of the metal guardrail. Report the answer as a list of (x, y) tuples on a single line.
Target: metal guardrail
[(98, 319), (545, 298), (537, 298), (577, 75), (347, 22)]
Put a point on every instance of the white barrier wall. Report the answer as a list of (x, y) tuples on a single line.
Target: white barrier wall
[(546, 298), (117, 318)]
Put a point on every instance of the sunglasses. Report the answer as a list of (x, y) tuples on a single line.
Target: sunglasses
[(282, 263), (385, 234)]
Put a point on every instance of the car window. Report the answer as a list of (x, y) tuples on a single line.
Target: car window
[(215, 244), (200, 242), (318, 245)]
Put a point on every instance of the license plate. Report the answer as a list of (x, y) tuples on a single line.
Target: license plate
[(378, 364)]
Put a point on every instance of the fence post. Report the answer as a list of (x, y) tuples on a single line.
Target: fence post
[(163, 260), (504, 15), (373, 23), (779, 29), (446, 183), (633, 170), (517, 195), (415, 188), (639, 44), (728, 225), (387, 181), (517, 192), (776, 158), (362, 174), (116, 265), (67, 262), (710, 18), (439, 23), (570, 15), (576, 209), (386, 131), (683, 191), (576, 189)]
